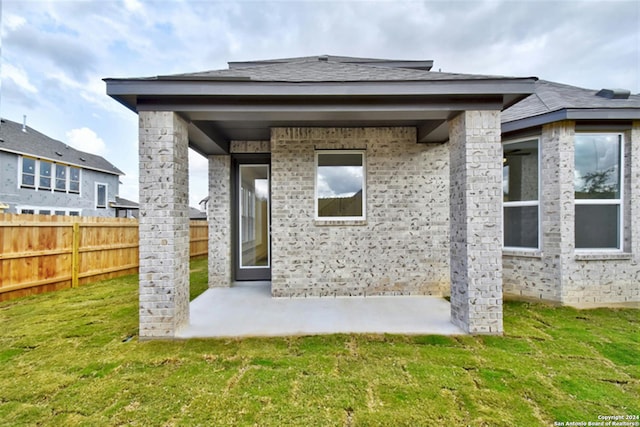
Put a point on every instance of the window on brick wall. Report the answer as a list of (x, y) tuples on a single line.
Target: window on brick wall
[(340, 185), (598, 191), (521, 194)]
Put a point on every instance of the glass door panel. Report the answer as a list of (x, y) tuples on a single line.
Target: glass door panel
[(253, 228)]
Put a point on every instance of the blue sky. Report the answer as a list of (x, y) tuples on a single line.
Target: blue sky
[(56, 53)]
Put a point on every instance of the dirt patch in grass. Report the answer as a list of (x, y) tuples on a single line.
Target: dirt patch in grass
[(73, 358)]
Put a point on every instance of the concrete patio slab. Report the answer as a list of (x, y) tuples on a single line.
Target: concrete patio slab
[(248, 310)]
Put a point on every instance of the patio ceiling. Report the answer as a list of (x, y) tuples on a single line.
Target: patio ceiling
[(219, 111)]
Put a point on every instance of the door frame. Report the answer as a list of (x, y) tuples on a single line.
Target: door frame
[(250, 274)]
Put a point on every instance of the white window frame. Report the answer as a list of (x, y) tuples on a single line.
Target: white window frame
[(52, 210), (364, 187), (21, 173), (526, 203), (106, 195), (53, 177), (593, 202), (79, 180)]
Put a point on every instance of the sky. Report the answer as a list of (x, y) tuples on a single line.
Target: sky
[(55, 53)]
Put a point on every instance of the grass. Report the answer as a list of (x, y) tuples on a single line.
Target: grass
[(73, 358)]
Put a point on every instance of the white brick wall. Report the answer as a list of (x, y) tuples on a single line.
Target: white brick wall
[(164, 224), (219, 218), (402, 247), (476, 221)]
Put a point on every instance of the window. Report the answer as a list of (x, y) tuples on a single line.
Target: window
[(45, 175), (521, 188), (49, 176), (27, 211), (74, 180), (28, 172), (340, 185), (61, 177), (101, 195), (598, 191)]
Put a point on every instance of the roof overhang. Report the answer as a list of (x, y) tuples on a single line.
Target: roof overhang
[(237, 109), (116, 172), (592, 114)]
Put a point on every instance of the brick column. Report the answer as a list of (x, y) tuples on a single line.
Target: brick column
[(557, 203), (219, 216), (476, 221), (164, 224)]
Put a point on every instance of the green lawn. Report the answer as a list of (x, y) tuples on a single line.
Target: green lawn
[(73, 358)]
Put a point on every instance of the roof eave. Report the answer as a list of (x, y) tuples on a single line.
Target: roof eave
[(127, 91), (116, 171), (572, 114)]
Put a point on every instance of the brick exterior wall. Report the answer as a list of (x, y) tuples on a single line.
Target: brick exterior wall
[(164, 224), (219, 218), (250, 147), (558, 273), (476, 221), (403, 246)]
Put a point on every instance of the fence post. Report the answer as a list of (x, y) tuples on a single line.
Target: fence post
[(75, 255)]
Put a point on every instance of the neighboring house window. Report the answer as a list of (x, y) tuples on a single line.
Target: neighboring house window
[(28, 172), (61, 177), (47, 210), (598, 191), (45, 174), (340, 185), (521, 194), (74, 180), (101, 195)]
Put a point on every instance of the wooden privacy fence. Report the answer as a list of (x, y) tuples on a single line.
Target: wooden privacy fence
[(42, 253)]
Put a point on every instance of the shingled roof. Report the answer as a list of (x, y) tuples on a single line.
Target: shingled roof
[(33, 143), (550, 97), (326, 68)]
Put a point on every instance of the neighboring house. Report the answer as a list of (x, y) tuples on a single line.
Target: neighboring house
[(125, 208), (337, 176), (197, 215), (40, 175)]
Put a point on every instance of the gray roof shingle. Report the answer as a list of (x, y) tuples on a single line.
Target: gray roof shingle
[(550, 97), (36, 144), (316, 69)]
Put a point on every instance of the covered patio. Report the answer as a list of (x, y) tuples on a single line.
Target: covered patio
[(430, 158), (248, 310)]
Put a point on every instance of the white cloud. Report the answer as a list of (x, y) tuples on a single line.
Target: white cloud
[(133, 5), (17, 76), (12, 22), (86, 140)]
